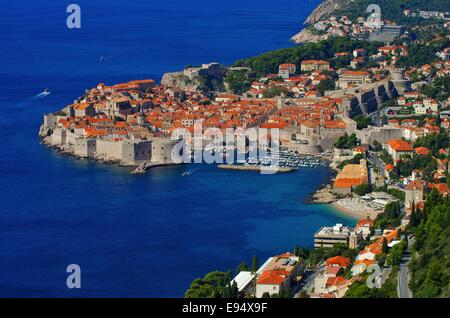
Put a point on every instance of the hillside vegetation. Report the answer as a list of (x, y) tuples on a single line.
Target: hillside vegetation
[(431, 265), (267, 63)]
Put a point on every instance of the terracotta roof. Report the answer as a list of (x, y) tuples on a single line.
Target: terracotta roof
[(365, 222), (400, 145), (336, 281), (422, 151), (322, 62), (355, 73), (272, 277), (338, 260), (366, 262)]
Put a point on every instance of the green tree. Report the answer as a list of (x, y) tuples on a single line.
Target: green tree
[(384, 247), (212, 285), (296, 250), (347, 142), (239, 81), (363, 121), (326, 85), (242, 267), (430, 268), (255, 264), (395, 255), (363, 189)]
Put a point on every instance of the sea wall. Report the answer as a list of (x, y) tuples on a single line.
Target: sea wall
[(125, 152), (109, 150)]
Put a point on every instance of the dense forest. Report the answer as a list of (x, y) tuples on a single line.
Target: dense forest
[(431, 265), (268, 63)]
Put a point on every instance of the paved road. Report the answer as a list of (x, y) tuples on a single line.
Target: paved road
[(403, 278), (308, 282), (379, 164)]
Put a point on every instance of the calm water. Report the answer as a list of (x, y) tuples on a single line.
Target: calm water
[(133, 236)]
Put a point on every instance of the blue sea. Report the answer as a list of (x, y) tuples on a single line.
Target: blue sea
[(134, 236)]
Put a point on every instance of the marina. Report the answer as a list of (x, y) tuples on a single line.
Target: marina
[(282, 158)]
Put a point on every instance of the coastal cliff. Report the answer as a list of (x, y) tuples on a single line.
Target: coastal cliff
[(207, 77), (180, 81), (323, 9), (306, 35)]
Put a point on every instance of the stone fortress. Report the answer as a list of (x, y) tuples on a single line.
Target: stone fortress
[(127, 152), (364, 99)]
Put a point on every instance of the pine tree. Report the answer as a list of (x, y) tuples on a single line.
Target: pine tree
[(384, 247), (255, 264), (234, 290)]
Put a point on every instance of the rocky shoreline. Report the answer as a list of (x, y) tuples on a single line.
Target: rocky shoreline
[(306, 35), (325, 195), (69, 152)]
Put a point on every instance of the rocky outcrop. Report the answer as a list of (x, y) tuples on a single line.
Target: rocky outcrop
[(323, 196), (179, 80), (207, 77), (323, 9), (45, 131), (307, 35)]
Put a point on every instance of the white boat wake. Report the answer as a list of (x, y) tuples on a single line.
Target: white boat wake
[(43, 94), (187, 173)]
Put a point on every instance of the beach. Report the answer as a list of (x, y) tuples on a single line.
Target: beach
[(351, 207)]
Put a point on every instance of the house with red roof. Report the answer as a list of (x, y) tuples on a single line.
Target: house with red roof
[(349, 79), (314, 65), (338, 261), (442, 188), (285, 70), (398, 147), (277, 274), (363, 227), (422, 151)]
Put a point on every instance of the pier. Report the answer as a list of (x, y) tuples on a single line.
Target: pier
[(274, 169)]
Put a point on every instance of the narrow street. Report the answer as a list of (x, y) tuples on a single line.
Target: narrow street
[(308, 283), (403, 278)]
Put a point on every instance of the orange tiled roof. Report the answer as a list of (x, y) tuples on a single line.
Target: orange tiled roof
[(355, 73), (272, 277), (338, 260), (422, 151), (366, 262), (336, 281), (365, 222), (400, 145), (322, 62)]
